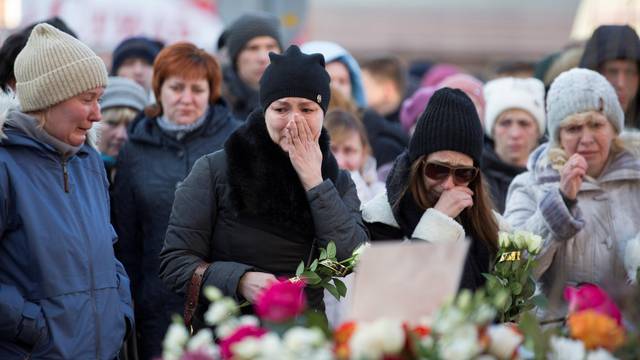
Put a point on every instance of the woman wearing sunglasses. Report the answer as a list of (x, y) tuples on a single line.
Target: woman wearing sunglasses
[(435, 191)]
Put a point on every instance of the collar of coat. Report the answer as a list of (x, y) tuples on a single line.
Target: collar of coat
[(264, 184)]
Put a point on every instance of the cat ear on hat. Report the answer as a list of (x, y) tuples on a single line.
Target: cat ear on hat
[(319, 58), (273, 57)]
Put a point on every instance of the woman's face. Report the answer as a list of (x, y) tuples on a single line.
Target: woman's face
[(340, 78), (516, 135), (184, 100), (283, 111), (349, 151), (589, 134), (448, 158), (70, 120)]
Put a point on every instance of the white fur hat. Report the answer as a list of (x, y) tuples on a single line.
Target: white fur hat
[(513, 93)]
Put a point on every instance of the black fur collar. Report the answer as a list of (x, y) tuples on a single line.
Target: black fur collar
[(264, 185)]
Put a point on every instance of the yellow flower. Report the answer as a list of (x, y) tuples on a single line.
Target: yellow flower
[(596, 330)]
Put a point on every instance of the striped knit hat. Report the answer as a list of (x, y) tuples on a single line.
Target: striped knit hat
[(54, 67)]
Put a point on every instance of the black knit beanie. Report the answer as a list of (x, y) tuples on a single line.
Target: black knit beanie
[(247, 27), (135, 47), (450, 122), (294, 74)]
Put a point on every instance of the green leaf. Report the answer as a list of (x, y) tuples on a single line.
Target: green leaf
[(323, 254), (314, 265), (516, 288), (340, 286), (316, 319), (540, 301), (333, 291), (331, 250), (300, 268), (311, 278)]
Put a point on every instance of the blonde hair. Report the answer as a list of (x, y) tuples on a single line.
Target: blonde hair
[(557, 156), (118, 115)]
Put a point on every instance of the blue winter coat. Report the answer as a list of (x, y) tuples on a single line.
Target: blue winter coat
[(63, 295)]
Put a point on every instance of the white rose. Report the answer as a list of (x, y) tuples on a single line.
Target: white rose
[(520, 239), (212, 293), (503, 240), (534, 244), (220, 311), (503, 341), (461, 344), (448, 320), (566, 349), (483, 314), (173, 343), (374, 340), (226, 328), (632, 258), (299, 339), (248, 348), (600, 354), (271, 347), (203, 339)]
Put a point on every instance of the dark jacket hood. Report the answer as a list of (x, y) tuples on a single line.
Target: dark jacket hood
[(610, 42)]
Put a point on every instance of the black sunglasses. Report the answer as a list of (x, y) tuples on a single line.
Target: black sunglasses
[(461, 174)]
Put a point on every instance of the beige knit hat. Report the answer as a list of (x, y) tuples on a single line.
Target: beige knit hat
[(53, 67)]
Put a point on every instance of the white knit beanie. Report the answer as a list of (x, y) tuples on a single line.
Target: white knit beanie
[(53, 67), (581, 90), (513, 93)]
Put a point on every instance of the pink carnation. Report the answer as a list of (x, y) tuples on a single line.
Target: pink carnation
[(590, 296), (282, 301), (238, 335)]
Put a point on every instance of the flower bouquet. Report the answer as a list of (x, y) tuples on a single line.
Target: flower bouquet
[(325, 271), (592, 329), (281, 330), (512, 274), (461, 329)]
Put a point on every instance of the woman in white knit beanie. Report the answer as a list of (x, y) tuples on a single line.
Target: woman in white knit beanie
[(581, 191), (63, 295), (514, 122)]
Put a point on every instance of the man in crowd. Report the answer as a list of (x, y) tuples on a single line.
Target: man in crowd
[(384, 81), (614, 51), (248, 42), (133, 59)]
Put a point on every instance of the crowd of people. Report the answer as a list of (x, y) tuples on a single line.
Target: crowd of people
[(122, 196)]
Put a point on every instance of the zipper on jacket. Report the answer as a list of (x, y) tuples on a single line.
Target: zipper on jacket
[(65, 176)]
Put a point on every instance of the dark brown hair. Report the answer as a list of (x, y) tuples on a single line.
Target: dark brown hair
[(387, 68), (188, 61), (479, 219)]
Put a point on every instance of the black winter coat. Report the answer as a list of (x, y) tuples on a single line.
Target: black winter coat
[(244, 209), (498, 175), (241, 98), (407, 221), (150, 167), (387, 139)]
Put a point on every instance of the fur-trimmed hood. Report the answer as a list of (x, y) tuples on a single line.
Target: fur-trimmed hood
[(264, 184)]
